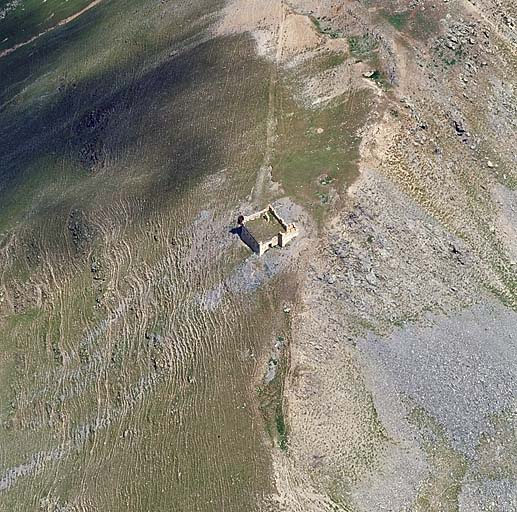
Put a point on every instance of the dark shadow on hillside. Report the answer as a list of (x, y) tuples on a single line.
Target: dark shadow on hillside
[(176, 118)]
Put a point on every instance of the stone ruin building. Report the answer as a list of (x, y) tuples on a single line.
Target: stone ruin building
[(265, 229)]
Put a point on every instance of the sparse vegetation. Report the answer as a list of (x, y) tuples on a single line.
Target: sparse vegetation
[(397, 19), (271, 397), (325, 29), (443, 487), (326, 180), (331, 61), (362, 47)]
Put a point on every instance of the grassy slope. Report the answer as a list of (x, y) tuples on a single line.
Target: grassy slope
[(103, 118), (107, 130)]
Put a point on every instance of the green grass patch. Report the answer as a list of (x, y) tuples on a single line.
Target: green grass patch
[(317, 24), (326, 30), (318, 142), (365, 48), (281, 428), (331, 61), (418, 24), (380, 79), (102, 63), (445, 58), (362, 47), (270, 398), (509, 182), (398, 20), (271, 403)]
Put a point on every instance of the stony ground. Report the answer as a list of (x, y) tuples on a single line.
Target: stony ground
[(402, 360)]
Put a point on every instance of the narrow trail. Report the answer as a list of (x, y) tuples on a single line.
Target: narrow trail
[(63, 22), (265, 169)]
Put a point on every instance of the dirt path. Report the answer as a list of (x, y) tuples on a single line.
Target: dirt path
[(265, 169), (8, 51)]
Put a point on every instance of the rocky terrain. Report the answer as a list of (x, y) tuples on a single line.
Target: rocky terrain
[(150, 362), (403, 352)]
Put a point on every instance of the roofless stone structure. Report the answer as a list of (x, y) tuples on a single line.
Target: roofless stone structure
[(265, 229)]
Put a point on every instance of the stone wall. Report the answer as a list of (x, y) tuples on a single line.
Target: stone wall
[(290, 233), (282, 239), (264, 246)]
